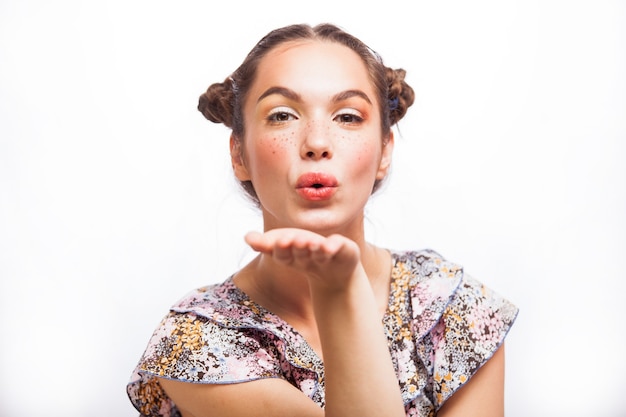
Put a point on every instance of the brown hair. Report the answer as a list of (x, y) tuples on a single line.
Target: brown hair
[(223, 102)]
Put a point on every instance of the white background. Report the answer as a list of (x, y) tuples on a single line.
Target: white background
[(116, 196)]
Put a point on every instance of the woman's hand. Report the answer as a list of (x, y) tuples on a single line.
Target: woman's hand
[(359, 374), (330, 262)]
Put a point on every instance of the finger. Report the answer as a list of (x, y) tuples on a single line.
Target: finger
[(341, 249), (267, 241), (320, 252), (327, 249), (304, 246), (283, 254), (283, 246), (333, 244), (258, 242)]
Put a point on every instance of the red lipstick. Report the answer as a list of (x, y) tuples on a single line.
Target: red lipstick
[(316, 186)]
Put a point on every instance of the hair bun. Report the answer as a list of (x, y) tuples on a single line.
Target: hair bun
[(217, 103), (400, 94)]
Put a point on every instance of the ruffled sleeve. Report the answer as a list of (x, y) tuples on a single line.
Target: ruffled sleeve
[(217, 336), (442, 327), (472, 328)]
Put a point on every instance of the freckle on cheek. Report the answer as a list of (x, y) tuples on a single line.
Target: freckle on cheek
[(275, 144)]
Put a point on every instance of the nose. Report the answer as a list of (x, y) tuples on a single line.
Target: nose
[(317, 143)]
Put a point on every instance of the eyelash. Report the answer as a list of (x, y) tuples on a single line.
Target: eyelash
[(273, 117), (355, 119)]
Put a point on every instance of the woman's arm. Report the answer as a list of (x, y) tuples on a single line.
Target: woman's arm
[(359, 377), (260, 398), (482, 395)]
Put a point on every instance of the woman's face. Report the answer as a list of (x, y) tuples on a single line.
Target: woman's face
[(313, 146)]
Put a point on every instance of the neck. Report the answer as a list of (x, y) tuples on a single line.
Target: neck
[(285, 292)]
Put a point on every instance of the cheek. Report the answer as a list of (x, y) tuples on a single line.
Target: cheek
[(364, 154), (266, 151), (276, 144)]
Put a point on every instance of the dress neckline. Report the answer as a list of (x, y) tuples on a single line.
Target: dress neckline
[(264, 315), (260, 310)]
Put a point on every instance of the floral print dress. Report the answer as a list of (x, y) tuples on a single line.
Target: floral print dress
[(441, 327)]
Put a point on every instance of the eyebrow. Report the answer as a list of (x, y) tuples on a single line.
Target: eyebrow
[(285, 92), (292, 95), (344, 95)]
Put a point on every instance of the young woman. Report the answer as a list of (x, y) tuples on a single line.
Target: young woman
[(322, 323)]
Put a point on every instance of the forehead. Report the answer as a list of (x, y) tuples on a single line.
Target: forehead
[(314, 64)]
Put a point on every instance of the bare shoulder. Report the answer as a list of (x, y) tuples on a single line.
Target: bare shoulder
[(265, 397), (482, 395)]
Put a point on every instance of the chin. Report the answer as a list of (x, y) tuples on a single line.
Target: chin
[(322, 220), (327, 223)]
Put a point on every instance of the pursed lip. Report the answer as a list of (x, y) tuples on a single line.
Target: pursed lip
[(316, 180), (316, 186)]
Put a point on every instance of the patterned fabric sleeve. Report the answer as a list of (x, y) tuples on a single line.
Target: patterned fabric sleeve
[(471, 329), (190, 348), (442, 326)]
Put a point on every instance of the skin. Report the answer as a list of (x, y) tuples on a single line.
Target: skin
[(341, 137), (312, 108)]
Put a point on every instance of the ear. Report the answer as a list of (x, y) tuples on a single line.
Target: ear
[(385, 159), (236, 158)]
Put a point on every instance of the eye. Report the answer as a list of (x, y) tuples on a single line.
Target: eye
[(281, 116), (348, 118)]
